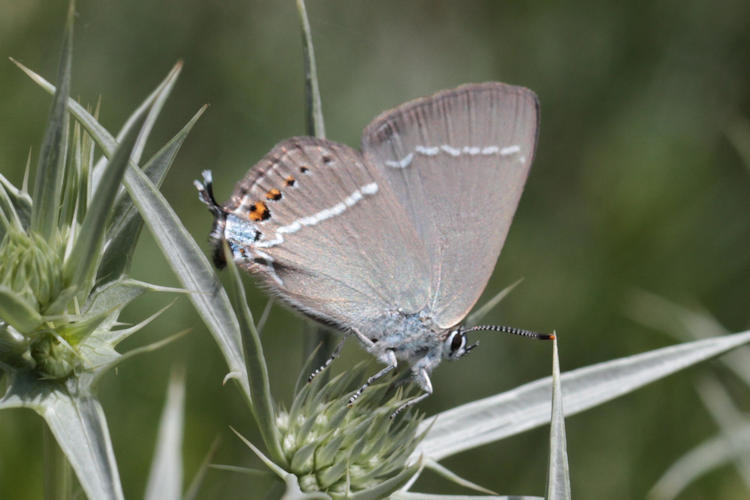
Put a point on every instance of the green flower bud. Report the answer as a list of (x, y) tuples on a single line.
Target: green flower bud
[(329, 445), (54, 359), (30, 267)]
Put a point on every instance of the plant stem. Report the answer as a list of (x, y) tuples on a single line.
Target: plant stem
[(315, 335), (313, 107)]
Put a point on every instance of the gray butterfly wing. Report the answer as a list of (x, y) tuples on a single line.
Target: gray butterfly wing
[(333, 241), (458, 161)]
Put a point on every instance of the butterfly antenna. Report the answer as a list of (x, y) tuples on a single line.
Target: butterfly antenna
[(206, 192), (512, 331)]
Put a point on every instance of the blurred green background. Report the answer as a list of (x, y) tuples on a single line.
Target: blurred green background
[(636, 186)]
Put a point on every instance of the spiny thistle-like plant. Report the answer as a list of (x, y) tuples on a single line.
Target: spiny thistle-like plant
[(64, 249), (334, 448)]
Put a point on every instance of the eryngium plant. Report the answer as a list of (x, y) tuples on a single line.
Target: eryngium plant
[(340, 450), (64, 249)]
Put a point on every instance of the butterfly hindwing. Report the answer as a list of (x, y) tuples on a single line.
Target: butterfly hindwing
[(457, 161)]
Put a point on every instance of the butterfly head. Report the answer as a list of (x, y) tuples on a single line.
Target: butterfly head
[(206, 195), (454, 345)]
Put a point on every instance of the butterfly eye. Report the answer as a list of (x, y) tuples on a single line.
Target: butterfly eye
[(457, 341)]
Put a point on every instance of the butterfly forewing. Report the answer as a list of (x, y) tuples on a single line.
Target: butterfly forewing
[(457, 161), (333, 241)]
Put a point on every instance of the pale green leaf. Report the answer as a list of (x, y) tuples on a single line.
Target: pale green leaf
[(78, 424), (261, 401), (117, 294), (558, 475), (455, 478), (195, 484), (192, 269), (50, 170), (276, 469), (165, 477), (709, 455), (123, 235), (682, 323), (14, 205), (313, 106), (148, 103), (528, 406), (18, 312), (81, 265), (96, 346), (475, 317), (728, 417), (739, 135)]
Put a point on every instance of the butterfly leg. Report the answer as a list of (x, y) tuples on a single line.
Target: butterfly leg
[(334, 355), (390, 359), (423, 379)]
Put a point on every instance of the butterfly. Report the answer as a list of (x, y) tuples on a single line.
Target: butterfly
[(393, 243)]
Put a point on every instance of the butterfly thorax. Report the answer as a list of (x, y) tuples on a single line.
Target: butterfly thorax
[(413, 337)]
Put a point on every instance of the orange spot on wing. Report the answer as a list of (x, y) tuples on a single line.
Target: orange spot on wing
[(259, 211), (273, 194)]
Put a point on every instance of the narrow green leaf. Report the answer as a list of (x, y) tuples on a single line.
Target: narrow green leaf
[(96, 345), (276, 469), (739, 135), (114, 294), (77, 331), (100, 134), (699, 461), (12, 346), (147, 104), (82, 263), (261, 402), (61, 302), (455, 478), (69, 198), (5, 225), (79, 426), (682, 323), (728, 417), (313, 106), (123, 235), (195, 484), (475, 317), (325, 454), (300, 462), (17, 312), (528, 406), (84, 173), (192, 269), (15, 204), (558, 475), (315, 126), (332, 474), (248, 471), (51, 167), (264, 317), (165, 477)]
